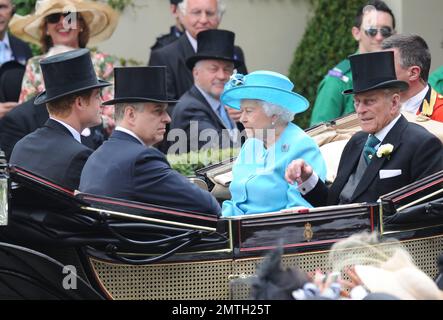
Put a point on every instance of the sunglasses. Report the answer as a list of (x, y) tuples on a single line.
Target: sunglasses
[(384, 31), (55, 17)]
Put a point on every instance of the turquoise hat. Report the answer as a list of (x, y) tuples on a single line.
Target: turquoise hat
[(268, 86)]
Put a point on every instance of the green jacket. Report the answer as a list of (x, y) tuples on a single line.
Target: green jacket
[(330, 102), (436, 80)]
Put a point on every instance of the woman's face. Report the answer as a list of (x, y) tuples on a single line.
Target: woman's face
[(254, 119), (64, 30)]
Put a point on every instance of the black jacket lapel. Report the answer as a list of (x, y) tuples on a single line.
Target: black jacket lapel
[(394, 138)]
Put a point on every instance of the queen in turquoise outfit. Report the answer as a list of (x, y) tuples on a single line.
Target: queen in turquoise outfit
[(268, 106)]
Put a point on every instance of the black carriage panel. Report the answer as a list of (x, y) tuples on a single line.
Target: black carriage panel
[(301, 230), (421, 191)]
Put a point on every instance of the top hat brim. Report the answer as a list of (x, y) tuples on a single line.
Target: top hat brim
[(286, 99), (402, 85), (136, 99), (191, 61), (44, 98)]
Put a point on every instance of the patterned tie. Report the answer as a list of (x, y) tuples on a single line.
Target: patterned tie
[(224, 116), (369, 148)]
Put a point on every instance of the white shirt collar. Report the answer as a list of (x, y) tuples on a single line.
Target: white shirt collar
[(413, 104), (127, 131), (192, 41), (381, 135), (74, 132)]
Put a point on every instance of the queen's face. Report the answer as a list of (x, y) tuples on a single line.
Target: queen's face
[(254, 119)]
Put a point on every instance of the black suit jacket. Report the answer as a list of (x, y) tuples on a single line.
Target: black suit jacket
[(141, 174), (53, 153), (11, 73), (417, 153), (22, 51), (174, 56), (26, 118), (194, 107)]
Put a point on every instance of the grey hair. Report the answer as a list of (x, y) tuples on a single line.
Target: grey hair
[(221, 7), (119, 109), (283, 114), (413, 50)]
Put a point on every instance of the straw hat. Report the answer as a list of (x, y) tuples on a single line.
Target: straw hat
[(100, 18), (399, 277)]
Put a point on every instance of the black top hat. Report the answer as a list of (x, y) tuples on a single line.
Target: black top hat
[(214, 44), (140, 84), (68, 73), (374, 70)]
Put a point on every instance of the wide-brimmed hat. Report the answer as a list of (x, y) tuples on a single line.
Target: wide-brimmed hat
[(267, 86), (374, 70), (68, 73), (140, 84), (399, 277), (214, 44), (100, 18)]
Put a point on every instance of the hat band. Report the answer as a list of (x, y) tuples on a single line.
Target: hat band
[(58, 90), (369, 83), (159, 97)]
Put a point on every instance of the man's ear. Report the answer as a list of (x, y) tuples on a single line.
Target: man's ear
[(14, 10), (414, 73), (356, 33)]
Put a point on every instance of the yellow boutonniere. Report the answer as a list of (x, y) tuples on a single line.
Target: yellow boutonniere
[(385, 150)]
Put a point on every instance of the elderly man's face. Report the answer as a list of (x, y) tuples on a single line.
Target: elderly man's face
[(200, 15), (374, 20), (150, 124), (211, 76), (376, 109), (5, 16)]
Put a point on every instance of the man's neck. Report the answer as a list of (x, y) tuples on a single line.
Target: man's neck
[(75, 124), (414, 89)]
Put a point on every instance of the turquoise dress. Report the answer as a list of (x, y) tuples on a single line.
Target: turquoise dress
[(259, 183)]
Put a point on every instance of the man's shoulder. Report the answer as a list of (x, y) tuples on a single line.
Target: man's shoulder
[(340, 72), (17, 41), (170, 48), (163, 41)]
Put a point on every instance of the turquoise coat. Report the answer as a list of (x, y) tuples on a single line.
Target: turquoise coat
[(259, 183)]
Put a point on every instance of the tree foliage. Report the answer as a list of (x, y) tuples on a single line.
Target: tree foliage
[(327, 40)]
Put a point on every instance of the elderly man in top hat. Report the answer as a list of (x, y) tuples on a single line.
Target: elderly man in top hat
[(126, 166), (387, 154), (196, 16), (199, 112), (73, 100)]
